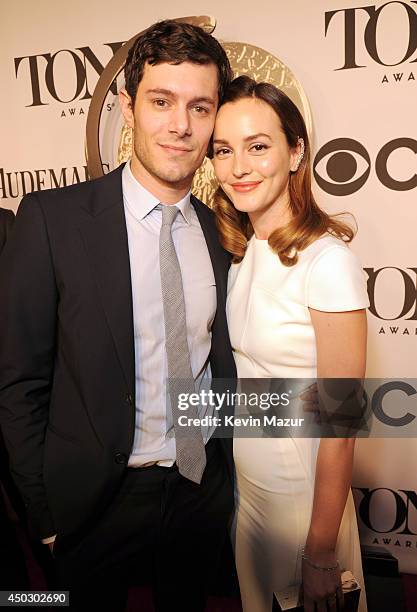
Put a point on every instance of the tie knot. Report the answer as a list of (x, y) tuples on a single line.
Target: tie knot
[(168, 214)]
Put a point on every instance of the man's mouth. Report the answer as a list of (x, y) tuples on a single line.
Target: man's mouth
[(175, 149)]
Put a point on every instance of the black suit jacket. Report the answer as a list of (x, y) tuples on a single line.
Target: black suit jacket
[(6, 222), (67, 371)]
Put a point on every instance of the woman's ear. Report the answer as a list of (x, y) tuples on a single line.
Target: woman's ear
[(297, 155)]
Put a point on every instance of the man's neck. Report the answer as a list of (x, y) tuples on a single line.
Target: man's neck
[(166, 193)]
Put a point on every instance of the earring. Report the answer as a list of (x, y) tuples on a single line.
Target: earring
[(300, 141)]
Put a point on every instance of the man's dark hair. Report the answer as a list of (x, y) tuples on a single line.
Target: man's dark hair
[(175, 42)]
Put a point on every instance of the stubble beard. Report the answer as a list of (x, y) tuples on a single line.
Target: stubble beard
[(174, 176)]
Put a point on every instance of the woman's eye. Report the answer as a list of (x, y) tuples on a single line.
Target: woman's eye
[(258, 147), (221, 152)]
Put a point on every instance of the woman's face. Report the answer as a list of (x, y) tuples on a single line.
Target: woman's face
[(252, 159)]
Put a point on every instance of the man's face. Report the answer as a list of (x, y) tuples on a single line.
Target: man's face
[(173, 119)]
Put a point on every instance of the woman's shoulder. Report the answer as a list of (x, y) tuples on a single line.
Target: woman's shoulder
[(330, 255), (322, 245), (335, 279)]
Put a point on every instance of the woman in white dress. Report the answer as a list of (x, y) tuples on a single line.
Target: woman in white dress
[(296, 308)]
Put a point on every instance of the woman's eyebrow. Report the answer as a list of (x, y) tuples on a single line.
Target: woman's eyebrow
[(247, 139)]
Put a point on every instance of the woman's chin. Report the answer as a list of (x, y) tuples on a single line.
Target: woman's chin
[(247, 208)]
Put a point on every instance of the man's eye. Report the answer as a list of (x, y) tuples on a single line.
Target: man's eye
[(159, 102), (200, 109)]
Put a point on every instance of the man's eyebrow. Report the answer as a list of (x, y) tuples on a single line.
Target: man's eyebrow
[(160, 90), (247, 139), (172, 94), (204, 100)]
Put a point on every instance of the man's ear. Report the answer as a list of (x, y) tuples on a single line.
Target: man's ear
[(126, 107)]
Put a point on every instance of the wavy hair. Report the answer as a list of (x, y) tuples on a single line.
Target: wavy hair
[(308, 221), (175, 42)]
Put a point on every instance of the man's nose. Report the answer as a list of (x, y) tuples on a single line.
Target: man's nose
[(180, 122)]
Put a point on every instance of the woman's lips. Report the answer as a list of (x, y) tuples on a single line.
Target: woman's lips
[(244, 187)]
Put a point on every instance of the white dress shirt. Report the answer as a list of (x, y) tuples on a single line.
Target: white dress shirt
[(143, 221)]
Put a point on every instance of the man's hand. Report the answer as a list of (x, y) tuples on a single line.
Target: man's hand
[(310, 399), (50, 541)]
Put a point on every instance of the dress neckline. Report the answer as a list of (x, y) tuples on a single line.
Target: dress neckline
[(259, 240)]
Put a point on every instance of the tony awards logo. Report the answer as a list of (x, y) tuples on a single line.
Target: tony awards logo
[(387, 511), (365, 33), (44, 74), (402, 303)]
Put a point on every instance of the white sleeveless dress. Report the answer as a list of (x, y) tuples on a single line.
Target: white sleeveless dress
[(273, 337)]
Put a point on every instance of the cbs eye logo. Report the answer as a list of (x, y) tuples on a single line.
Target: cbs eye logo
[(342, 166)]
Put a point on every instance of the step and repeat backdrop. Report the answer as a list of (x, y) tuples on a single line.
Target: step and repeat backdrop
[(353, 66)]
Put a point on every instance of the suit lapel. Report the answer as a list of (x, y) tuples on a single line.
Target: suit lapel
[(105, 236)]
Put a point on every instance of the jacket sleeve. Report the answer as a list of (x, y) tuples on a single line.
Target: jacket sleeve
[(28, 319)]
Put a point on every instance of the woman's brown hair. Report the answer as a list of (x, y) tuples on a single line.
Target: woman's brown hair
[(308, 221)]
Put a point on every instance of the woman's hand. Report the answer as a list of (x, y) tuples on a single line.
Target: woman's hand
[(321, 588), (341, 353)]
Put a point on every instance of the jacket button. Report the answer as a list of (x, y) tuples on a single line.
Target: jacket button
[(120, 458), (129, 399)]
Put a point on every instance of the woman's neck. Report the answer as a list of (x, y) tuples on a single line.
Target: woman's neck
[(267, 221)]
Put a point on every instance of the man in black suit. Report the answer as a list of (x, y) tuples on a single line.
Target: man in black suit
[(87, 343)]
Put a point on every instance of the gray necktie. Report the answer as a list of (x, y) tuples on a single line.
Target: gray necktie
[(191, 454)]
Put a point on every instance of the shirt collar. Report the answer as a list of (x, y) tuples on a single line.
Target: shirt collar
[(141, 201)]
